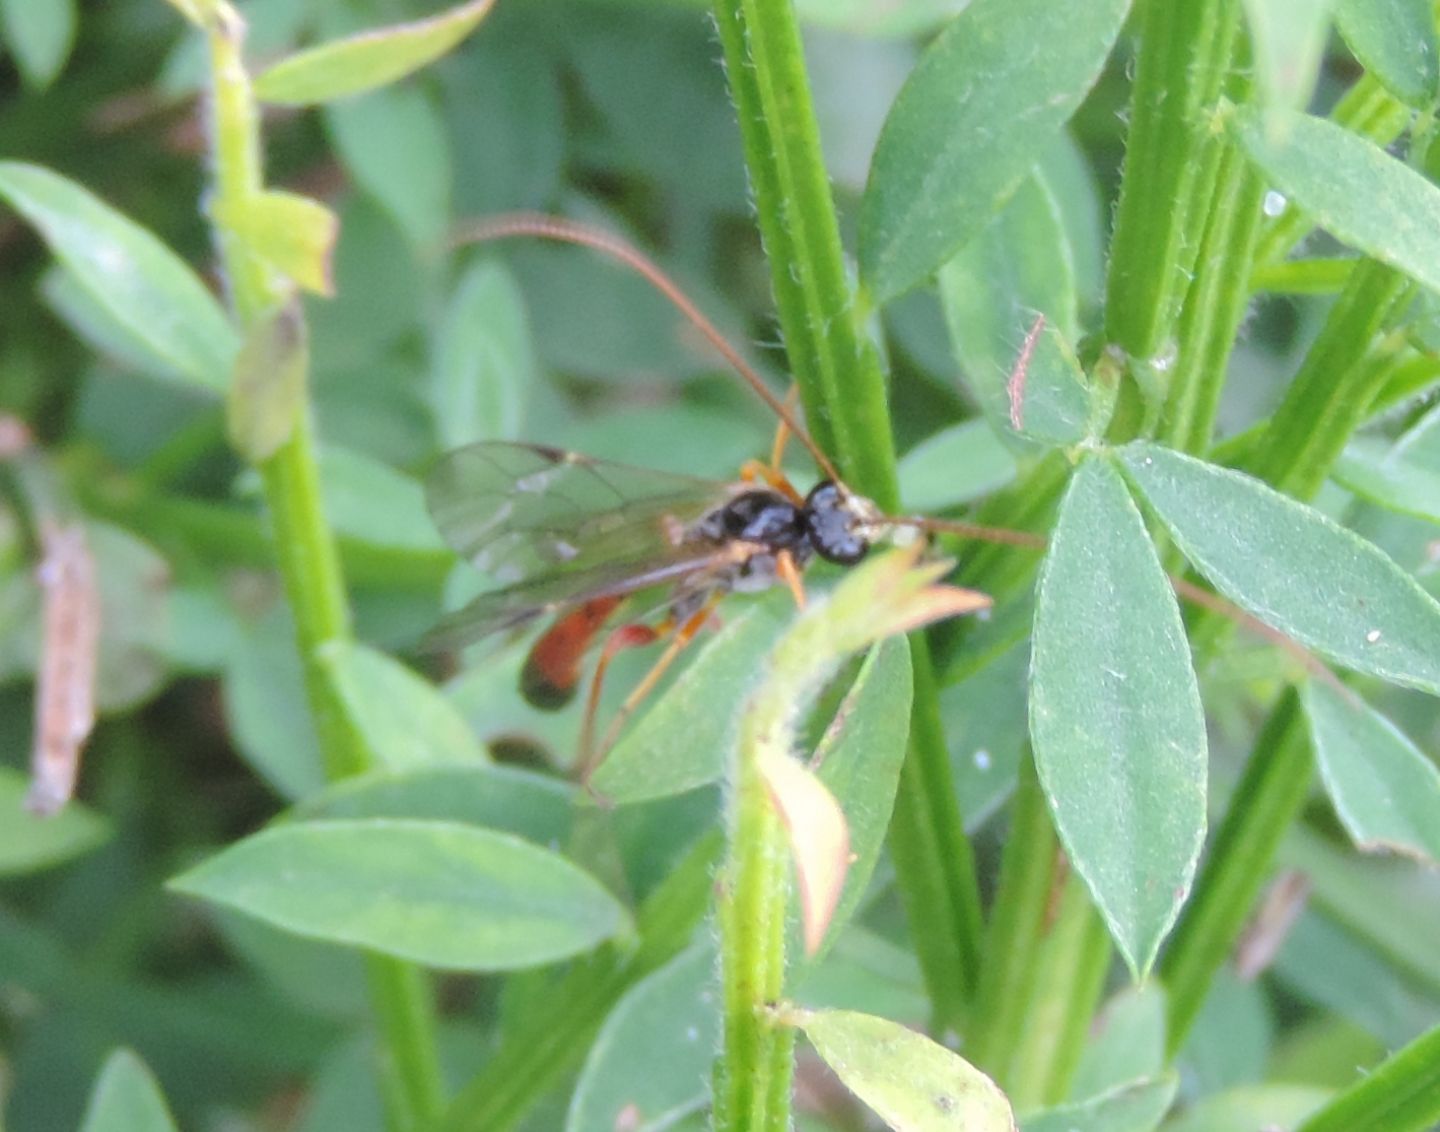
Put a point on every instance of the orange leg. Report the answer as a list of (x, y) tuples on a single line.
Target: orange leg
[(681, 635), (790, 575)]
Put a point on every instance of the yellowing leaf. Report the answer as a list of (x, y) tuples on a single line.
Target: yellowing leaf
[(819, 840)]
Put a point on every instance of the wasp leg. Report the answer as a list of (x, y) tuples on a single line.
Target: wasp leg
[(789, 573), (621, 638), (680, 636)]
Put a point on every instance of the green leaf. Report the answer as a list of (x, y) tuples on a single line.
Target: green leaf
[(1395, 41), (373, 503), (140, 282), (29, 842), (293, 234), (1257, 1106), (394, 144), (266, 712), (1115, 715), (267, 391), (986, 725), (134, 629), (1019, 267), (1126, 1042), (650, 1062), (371, 59), (1138, 1106), (536, 807), (127, 1098), (684, 740), (1376, 470), (955, 465), (89, 319), (986, 99), (404, 719), (1294, 568), (911, 1082), (859, 760), (1288, 38), (40, 34), (1385, 789), (437, 893), (1352, 188), (485, 359)]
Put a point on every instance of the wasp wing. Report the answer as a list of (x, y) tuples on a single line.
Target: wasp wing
[(519, 511)]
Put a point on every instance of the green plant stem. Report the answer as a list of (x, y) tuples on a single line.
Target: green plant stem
[(834, 363), (1214, 305), (1183, 55), (1027, 878), (841, 385), (559, 1029), (753, 1074), (1333, 390), (1264, 804), (310, 567), (1401, 1094), (935, 876), (1069, 976), (1319, 276)]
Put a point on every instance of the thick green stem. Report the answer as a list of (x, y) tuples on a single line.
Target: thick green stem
[(752, 1077), (1183, 55), (834, 362), (838, 373), (1402, 1094), (310, 567), (1265, 802), (1214, 305)]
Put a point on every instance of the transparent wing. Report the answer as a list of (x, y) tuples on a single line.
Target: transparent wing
[(520, 511), (513, 606)]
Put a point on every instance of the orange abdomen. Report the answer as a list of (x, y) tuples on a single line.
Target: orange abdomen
[(552, 670)]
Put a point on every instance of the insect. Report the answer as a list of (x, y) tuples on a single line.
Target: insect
[(574, 537)]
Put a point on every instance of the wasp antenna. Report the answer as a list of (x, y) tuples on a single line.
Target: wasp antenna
[(973, 530), (539, 225)]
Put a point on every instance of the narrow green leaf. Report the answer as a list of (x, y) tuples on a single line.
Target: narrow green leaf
[(445, 895), (293, 234), (394, 144), (137, 279), (29, 842), (1294, 568), (1115, 715), (859, 759), (126, 1098), (90, 320), (40, 34), (371, 59), (986, 99), (484, 359), (537, 807), (1138, 1106), (954, 466), (911, 1082), (267, 391), (1385, 789), (650, 1062), (1256, 1106), (1352, 188), (685, 739), (1395, 41), (1289, 43), (405, 719)]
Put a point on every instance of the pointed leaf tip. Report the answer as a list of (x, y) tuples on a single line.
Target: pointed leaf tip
[(819, 840)]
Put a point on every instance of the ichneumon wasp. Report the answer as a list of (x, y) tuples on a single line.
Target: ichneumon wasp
[(573, 538)]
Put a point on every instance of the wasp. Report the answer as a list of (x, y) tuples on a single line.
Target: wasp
[(571, 537)]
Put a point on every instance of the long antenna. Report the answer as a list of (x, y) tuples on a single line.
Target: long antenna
[(509, 225)]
